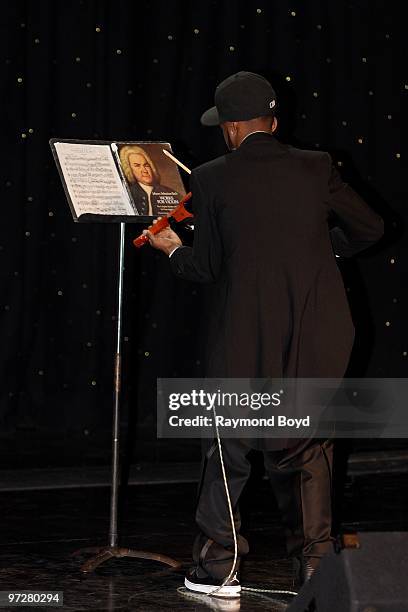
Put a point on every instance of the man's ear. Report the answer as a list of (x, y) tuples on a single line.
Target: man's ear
[(275, 124)]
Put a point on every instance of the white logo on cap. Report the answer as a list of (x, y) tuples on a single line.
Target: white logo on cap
[(272, 104)]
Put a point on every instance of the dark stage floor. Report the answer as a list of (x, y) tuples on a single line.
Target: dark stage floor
[(40, 529)]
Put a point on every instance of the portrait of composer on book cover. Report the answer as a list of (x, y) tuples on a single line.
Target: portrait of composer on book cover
[(142, 170)]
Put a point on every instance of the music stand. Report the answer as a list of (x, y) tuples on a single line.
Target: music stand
[(112, 550)]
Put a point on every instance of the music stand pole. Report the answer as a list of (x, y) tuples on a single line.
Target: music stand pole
[(107, 552), (113, 525)]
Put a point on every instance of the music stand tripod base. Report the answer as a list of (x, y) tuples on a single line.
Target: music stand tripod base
[(113, 551), (104, 553)]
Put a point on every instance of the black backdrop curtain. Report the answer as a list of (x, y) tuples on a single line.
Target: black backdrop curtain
[(130, 70)]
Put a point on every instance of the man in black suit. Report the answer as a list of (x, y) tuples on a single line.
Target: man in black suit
[(262, 239)]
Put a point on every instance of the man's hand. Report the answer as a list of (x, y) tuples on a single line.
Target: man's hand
[(165, 241)]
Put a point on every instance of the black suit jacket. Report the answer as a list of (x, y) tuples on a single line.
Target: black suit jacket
[(261, 237)]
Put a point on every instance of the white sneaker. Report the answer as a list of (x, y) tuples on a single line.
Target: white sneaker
[(208, 585)]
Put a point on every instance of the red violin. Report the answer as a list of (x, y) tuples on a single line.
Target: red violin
[(178, 214)]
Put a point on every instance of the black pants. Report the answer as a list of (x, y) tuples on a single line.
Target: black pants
[(301, 481)]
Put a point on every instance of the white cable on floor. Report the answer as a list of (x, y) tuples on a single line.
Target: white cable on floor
[(274, 591)]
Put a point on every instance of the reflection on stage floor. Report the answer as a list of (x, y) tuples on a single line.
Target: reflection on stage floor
[(41, 529)]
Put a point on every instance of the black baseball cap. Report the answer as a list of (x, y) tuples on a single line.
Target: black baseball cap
[(240, 97)]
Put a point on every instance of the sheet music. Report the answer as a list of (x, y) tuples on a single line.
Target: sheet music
[(92, 179)]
